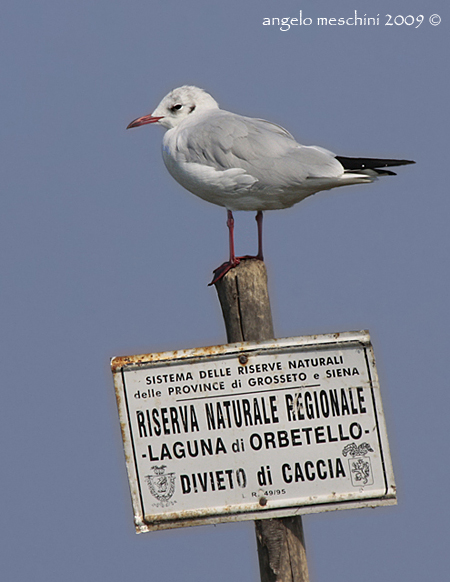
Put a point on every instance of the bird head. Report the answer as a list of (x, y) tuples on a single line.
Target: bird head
[(177, 106)]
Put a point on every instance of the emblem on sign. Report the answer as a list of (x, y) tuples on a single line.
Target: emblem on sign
[(360, 467), (161, 485)]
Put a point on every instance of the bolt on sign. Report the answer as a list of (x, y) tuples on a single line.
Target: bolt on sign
[(253, 430)]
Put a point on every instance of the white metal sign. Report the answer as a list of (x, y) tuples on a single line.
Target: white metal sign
[(253, 430)]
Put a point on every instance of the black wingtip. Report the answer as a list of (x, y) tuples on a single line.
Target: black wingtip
[(370, 163)]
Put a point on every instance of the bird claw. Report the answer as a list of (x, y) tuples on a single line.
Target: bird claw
[(223, 270), (255, 257), (228, 265)]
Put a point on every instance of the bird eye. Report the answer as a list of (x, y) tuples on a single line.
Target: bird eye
[(176, 107)]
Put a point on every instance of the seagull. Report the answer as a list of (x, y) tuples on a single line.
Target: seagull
[(242, 163)]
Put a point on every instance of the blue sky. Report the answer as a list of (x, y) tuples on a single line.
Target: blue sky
[(104, 254)]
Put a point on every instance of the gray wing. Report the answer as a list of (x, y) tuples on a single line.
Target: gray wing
[(268, 152)]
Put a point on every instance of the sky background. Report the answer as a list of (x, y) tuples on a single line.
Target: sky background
[(104, 254)]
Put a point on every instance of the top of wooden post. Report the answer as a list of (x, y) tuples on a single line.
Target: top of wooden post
[(245, 302)]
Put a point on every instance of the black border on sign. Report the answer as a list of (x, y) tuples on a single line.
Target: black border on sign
[(130, 426), (383, 464)]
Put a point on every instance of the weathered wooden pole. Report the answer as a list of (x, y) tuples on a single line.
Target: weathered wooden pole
[(244, 299)]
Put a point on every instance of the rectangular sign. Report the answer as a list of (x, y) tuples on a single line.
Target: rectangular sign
[(253, 430)]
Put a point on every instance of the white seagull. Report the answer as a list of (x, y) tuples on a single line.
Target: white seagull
[(243, 163)]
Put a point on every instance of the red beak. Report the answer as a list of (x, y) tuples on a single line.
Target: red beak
[(143, 121)]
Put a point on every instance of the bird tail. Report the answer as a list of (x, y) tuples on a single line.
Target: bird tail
[(374, 164)]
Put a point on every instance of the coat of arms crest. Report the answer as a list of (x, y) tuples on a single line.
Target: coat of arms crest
[(161, 484), (360, 467)]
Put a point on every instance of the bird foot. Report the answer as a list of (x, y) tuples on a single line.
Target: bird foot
[(223, 270), (228, 265), (256, 257)]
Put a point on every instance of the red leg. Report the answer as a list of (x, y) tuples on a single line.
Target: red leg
[(233, 261), (230, 224), (259, 256), (259, 220)]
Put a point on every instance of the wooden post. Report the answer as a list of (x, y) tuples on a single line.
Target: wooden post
[(244, 299)]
